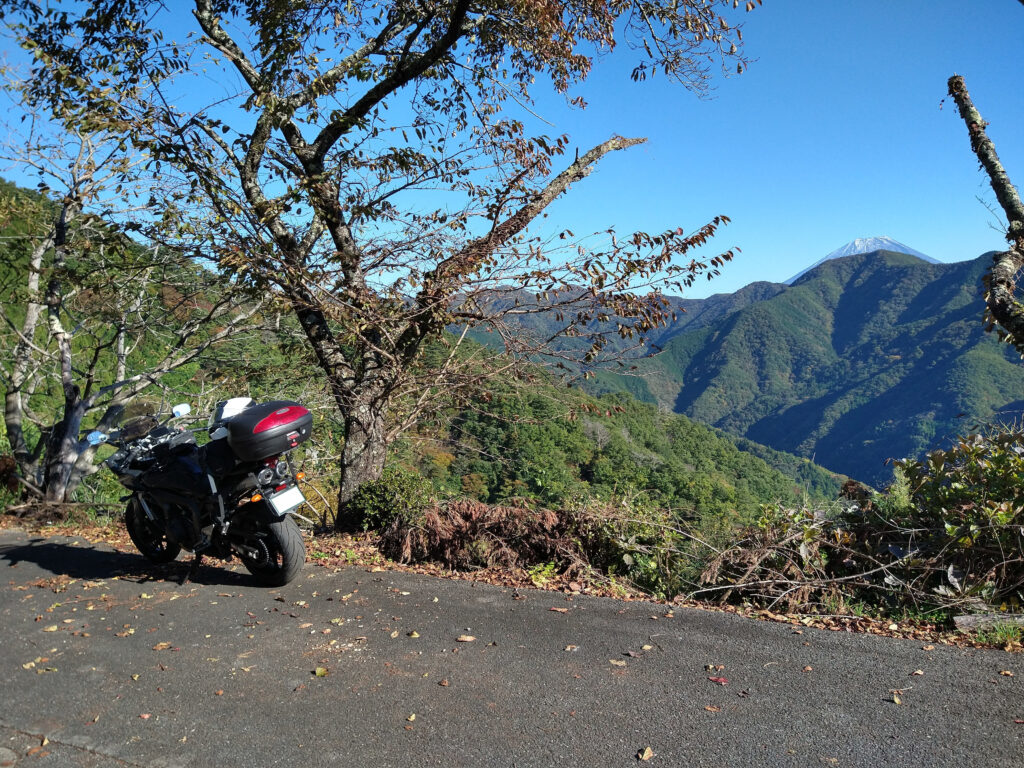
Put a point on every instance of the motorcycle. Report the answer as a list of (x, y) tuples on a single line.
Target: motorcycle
[(235, 495)]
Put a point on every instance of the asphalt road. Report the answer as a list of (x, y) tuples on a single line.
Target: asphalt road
[(106, 662)]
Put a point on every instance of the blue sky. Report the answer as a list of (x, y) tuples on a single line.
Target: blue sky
[(838, 130)]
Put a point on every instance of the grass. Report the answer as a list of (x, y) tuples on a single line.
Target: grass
[(1002, 635)]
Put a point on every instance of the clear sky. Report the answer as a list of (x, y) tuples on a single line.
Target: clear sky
[(838, 130)]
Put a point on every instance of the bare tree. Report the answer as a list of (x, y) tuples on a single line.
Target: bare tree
[(373, 163), (92, 319)]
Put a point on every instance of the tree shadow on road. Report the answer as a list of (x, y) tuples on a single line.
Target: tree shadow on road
[(95, 562)]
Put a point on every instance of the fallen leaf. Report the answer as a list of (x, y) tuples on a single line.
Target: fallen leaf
[(617, 662), (135, 676), (571, 648), (219, 692), (559, 610), (145, 716), (411, 717), (51, 628), (917, 672), (896, 699), (713, 709), (161, 646), (719, 680), (395, 633), (414, 633), (646, 647), (927, 647), (808, 668), (444, 683), (465, 639), (320, 671), (645, 754), (337, 621), (1006, 673), (307, 625)]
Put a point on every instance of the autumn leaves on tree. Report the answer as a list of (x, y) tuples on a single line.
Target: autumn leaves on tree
[(370, 166)]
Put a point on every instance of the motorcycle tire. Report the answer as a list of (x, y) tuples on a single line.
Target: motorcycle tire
[(147, 536), (283, 553)]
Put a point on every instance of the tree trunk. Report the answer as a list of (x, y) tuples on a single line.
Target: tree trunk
[(1001, 280), (362, 458)]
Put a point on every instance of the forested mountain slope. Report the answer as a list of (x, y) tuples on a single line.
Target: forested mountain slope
[(864, 358)]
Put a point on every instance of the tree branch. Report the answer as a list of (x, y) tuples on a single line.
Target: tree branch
[(1001, 280)]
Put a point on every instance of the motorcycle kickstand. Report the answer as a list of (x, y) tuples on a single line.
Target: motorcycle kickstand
[(193, 569)]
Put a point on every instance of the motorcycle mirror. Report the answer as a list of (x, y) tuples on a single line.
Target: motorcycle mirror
[(95, 438), (184, 409)]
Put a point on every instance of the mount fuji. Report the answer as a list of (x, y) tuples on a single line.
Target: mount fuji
[(865, 245)]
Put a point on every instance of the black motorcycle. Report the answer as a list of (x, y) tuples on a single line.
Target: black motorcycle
[(234, 495)]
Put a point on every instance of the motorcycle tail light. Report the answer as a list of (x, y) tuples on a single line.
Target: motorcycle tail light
[(256, 497), (300, 475)]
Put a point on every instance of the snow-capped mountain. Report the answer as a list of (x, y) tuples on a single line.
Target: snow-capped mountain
[(865, 245)]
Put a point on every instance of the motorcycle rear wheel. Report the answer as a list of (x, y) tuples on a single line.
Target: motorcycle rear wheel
[(148, 536), (282, 553)]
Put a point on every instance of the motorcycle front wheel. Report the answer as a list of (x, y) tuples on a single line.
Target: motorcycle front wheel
[(147, 535), (280, 553)]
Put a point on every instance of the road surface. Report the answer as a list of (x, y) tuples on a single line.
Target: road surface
[(105, 661)]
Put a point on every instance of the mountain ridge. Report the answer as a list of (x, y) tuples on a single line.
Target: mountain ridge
[(866, 358), (864, 245)]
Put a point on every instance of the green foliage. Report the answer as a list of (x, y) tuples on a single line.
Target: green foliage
[(948, 532), (555, 445), (398, 495), (970, 500), (542, 574)]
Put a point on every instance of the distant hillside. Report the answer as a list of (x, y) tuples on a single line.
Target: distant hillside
[(559, 445), (865, 358)]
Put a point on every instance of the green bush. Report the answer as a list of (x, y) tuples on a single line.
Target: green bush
[(398, 494)]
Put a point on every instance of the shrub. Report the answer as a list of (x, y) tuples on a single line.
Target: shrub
[(397, 495)]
